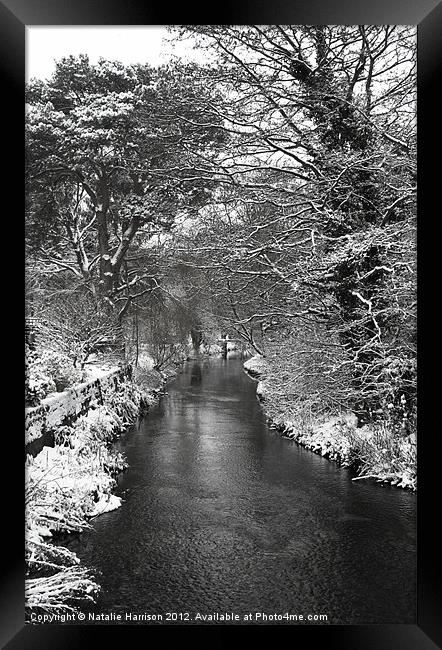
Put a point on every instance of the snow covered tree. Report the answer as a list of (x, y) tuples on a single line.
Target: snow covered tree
[(323, 151), (107, 169)]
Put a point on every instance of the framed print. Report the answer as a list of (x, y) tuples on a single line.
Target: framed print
[(216, 213)]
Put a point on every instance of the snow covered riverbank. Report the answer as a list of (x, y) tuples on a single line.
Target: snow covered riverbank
[(372, 450), (71, 483)]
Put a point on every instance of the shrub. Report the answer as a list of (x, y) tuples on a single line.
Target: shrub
[(382, 453), (38, 382), (48, 372)]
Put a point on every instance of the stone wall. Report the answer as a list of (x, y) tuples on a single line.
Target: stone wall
[(64, 408)]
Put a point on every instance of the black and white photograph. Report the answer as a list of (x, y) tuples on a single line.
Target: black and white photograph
[(220, 339)]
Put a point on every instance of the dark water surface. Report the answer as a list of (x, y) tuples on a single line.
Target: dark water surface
[(221, 514)]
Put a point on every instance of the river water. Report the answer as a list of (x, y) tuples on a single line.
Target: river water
[(222, 515)]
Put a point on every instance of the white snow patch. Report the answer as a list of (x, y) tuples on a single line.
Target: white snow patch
[(105, 504)]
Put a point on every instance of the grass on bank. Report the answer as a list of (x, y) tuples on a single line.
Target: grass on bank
[(375, 451)]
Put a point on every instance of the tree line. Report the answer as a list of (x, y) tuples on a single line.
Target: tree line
[(270, 192)]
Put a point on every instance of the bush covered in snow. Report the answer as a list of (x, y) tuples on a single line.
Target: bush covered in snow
[(383, 454), (126, 403), (46, 372), (378, 450), (38, 383), (255, 366)]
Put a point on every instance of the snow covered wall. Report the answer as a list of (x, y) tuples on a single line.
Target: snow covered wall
[(64, 408)]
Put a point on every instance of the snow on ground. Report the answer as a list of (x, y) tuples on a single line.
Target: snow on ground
[(255, 366), (92, 371), (105, 504), (79, 470), (72, 482)]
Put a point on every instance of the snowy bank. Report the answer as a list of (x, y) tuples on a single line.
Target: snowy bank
[(373, 451), (71, 483)]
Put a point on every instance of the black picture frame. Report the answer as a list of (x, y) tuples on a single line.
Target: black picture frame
[(426, 634)]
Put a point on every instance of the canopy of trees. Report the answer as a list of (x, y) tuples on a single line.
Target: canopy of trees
[(270, 193)]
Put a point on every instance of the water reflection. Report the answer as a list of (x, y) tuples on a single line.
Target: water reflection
[(196, 373)]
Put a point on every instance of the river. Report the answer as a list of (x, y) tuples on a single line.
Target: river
[(222, 515)]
